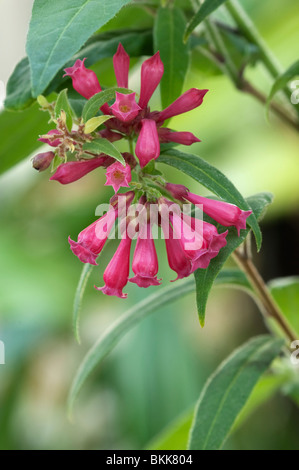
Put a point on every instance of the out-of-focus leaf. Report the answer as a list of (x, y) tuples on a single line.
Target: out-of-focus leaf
[(169, 28), (86, 271), (285, 291), (282, 81), (96, 101), (233, 278), (202, 13), (227, 391), (118, 329), (62, 28), (98, 146), (62, 104), (175, 435)]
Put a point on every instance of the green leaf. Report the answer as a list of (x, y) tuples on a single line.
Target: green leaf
[(169, 28), (93, 123), (227, 391), (62, 104), (208, 7), (212, 179), (86, 271), (234, 278), (175, 435), (98, 146), (19, 133), (205, 278), (58, 30), (282, 81), (285, 291), (119, 328), (93, 105), (18, 90)]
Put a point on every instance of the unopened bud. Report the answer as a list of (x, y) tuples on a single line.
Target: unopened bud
[(42, 161)]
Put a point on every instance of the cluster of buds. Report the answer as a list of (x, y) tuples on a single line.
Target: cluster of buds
[(191, 243)]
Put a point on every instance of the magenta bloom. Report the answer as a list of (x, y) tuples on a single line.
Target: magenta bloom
[(192, 242), (145, 260), (125, 107), (93, 238), (148, 146), (72, 171), (52, 143), (84, 80), (184, 138), (177, 259), (186, 102), (151, 73), (224, 213), (121, 64), (118, 175), (42, 161), (117, 272)]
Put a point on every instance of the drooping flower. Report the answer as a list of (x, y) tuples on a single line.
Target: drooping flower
[(186, 102), (121, 64), (184, 138), (118, 175), (177, 259), (145, 260), (52, 143), (148, 146), (152, 71), (93, 238), (117, 272), (42, 161), (72, 171), (125, 107)]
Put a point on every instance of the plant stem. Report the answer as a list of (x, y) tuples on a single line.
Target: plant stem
[(245, 263)]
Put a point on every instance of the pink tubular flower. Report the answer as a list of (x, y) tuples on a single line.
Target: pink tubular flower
[(192, 242), (121, 64), (223, 212), (118, 175), (117, 272), (52, 143), (125, 107), (72, 171), (93, 238), (184, 138), (42, 161), (145, 260), (151, 73), (148, 146), (186, 102), (177, 259)]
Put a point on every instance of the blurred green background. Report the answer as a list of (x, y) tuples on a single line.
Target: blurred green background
[(158, 370)]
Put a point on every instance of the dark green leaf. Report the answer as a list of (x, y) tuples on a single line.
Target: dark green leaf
[(62, 104), (58, 30), (86, 271), (93, 105), (205, 278), (212, 179), (118, 329), (18, 90), (282, 81), (169, 28), (202, 13), (227, 391), (98, 146)]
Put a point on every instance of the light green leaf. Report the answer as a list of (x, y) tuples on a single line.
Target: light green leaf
[(233, 278), (175, 435), (93, 123), (169, 28), (285, 291), (124, 324), (212, 179), (93, 105), (62, 104), (57, 31), (226, 392), (205, 278), (98, 146), (282, 81), (208, 7), (86, 271)]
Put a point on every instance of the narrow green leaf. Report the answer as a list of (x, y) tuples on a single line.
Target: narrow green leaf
[(118, 329), (98, 146), (175, 435), (208, 7), (282, 81), (234, 278), (205, 278), (227, 391), (93, 105), (86, 271), (93, 123), (18, 90), (212, 179), (19, 134), (62, 104), (62, 29), (285, 291), (169, 28)]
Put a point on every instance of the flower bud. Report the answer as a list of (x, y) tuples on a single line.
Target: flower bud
[(42, 161)]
